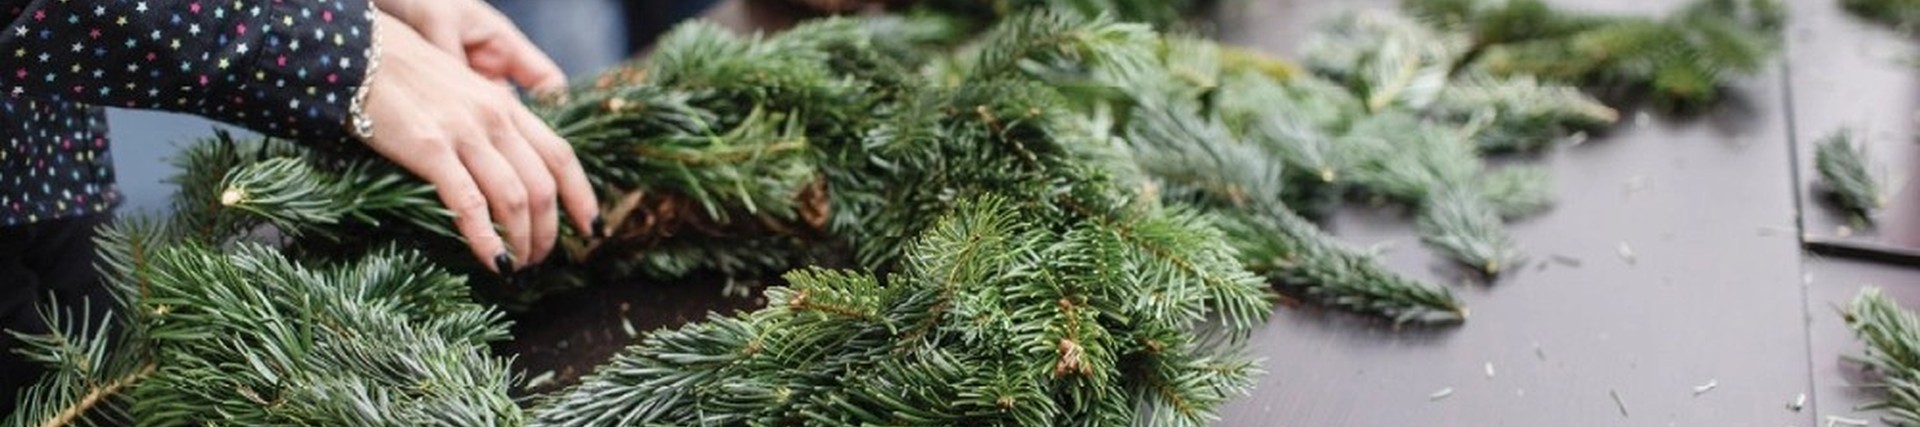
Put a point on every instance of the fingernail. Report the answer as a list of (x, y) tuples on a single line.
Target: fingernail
[(503, 262), (599, 228)]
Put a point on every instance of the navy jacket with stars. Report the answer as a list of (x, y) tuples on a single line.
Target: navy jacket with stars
[(286, 68)]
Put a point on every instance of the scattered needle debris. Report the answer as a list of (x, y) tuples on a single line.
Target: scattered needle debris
[(1626, 254), (543, 379), (1577, 138), (1442, 394), (1704, 388), (1618, 402), (1565, 260), (1833, 420), (736, 289)]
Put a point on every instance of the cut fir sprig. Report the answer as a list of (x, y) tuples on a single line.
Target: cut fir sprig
[(1843, 167), (1892, 338)]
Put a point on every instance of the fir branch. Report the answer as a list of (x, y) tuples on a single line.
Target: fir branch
[(301, 345), (239, 333), (1303, 140), (1517, 191), (1272, 240), (1389, 59), (1519, 113), (1903, 15), (1160, 13), (983, 362), (1302, 259), (286, 187), (1171, 369), (1681, 61), (1892, 338), (1460, 223), (95, 397), (1435, 170), (89, 371), (1843, 171), (1193, 157), (1407, 159), (1318, 172)]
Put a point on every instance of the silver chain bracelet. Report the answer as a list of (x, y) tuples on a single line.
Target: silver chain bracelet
[(362, 126)]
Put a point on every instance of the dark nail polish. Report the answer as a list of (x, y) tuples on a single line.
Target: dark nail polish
[(599, 228), (503, 262)]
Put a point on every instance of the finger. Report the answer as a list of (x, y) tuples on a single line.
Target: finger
[(462, 195), (447, 39), (570, 178), (534, 70), (429, 153), (511, 55), (506, 195), (542, 214)]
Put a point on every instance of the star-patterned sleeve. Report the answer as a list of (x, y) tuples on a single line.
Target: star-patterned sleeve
[(283, 67)]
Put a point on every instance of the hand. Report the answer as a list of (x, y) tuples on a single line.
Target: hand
[(474, 32), (489, 158)]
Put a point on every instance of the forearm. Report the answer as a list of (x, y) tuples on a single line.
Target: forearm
[(286, 68)]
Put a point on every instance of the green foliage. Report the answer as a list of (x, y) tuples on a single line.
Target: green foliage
[(1460, 222), (1680, 61), (1296, 254), (1066, 221), (1892, 337), (243, 335), (1240, 182), (1388, 59), (996, 319), (1518, 113), (1435, 170), (1517, 191), (89, 365), (1424, 120), (229, 187), (250, 338), (1038, 290), (1160, 13), (1843, 171), (1900, 14)]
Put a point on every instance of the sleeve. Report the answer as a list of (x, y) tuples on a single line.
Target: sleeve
[(287, 68)]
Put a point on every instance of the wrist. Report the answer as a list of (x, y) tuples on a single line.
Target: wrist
[(359, 123), (404, 12)]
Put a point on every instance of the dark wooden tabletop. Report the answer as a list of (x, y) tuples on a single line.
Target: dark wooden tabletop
[(1689, 266)]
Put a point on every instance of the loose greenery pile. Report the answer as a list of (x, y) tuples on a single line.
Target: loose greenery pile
[(1681, 61)]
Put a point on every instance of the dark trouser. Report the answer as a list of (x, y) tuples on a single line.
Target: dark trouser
[(37, 260)]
